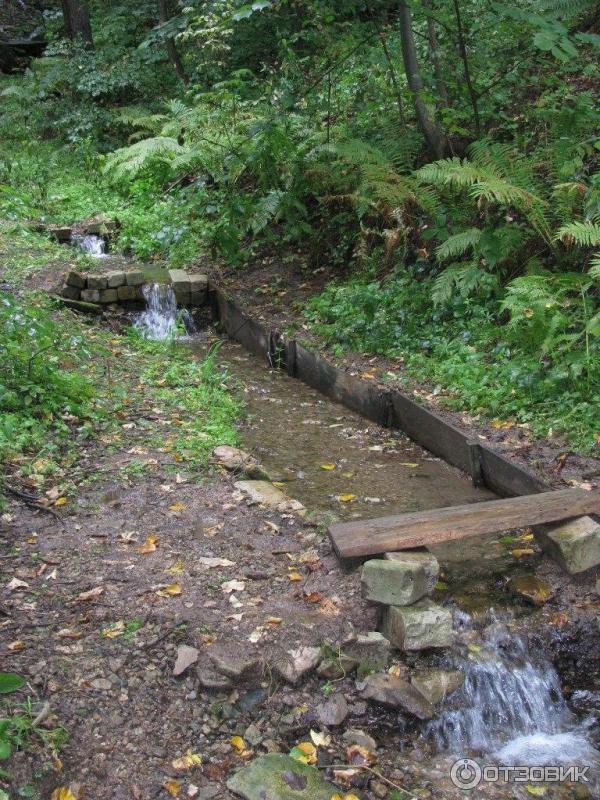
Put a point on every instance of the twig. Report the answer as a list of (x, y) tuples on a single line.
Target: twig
[(32, 502)]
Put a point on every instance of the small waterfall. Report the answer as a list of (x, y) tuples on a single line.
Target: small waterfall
[(91, 244), (512, 709), (159, 318)]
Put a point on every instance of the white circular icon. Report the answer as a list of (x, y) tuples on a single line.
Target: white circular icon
[(466, 773)]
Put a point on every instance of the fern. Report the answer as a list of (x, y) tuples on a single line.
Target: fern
[(131, 160), (458, 244), (467, 278), (583, 234)]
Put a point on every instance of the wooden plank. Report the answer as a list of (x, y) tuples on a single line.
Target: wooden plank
[(423, 528), (506, 478)]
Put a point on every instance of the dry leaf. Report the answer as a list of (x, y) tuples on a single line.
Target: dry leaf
[(69, 633), (313, 597), (61, 501), (328, 467), (114, 630), (173, 787), (149, 545), (239, 745), (358, 755), (16, 584), (172, 590), (305, 752), (91, 594), (63, 793), (207, 561), (320, 739), (17, 645), (273, 620), (177, 568), (233, 586), (294, 576), (411, 464), (177, 507), (346, 498), (187, 761), (521, 552)]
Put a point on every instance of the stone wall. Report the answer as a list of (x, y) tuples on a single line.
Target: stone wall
[(126, 286)]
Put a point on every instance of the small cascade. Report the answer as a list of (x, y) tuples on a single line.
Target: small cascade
[(93, 245), (511, 708), (159, 318)]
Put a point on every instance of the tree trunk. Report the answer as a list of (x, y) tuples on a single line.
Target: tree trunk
[(394, 80), (77, 21), (173, 53), (462, 46), (429, 129), (434, 50)]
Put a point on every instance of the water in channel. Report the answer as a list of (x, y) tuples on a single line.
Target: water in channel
[(510, 709)]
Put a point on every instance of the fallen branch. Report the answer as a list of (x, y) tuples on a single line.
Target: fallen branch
[(32, 501)]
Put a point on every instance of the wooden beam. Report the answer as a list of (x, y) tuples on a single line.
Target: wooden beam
[(424, 528)]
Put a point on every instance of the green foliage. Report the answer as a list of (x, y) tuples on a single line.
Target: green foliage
[(10, 682), (21, 730)]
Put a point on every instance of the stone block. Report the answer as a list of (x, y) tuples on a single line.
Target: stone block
[(70, 292), (108, 296), (394, 583), (422, 558), (437, 684), (96, 282), (180, 280), (134, 277), (115, 279), (75, 278), (198, 283), (183, 298), (129, 293), (574, 544), (90, 295), (418, 627), (395, 692), (369, 650)]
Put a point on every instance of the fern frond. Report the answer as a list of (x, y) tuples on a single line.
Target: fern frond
[(130, 160), (458, 244), (583, 234)]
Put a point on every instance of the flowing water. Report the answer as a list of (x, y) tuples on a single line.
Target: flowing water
[(510, 709), (93, 245)]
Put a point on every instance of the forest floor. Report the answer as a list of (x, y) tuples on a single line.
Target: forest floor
[(151, 554)]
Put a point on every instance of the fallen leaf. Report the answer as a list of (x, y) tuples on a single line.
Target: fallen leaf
[(177, 507), (173, 787), (69, 633), (187, 761), (273, 621), (344, 796), (410, 464), (294, 576), (63, 793), (328, 467), (177, 568), (233, 586), (239, 745), (149, 545), (560, 619), (16, 646), (207, 561), (305, 752), (536, 791), (91, 594), (346, 498), (359, 756), (61, 501), (521, 552), (16, 584), (114, 630), (172, 590), (313, 597), (320, 739)]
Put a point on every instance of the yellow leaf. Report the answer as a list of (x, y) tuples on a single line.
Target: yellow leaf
[(238, 744), (61, 501), (273, 620), (536, 791), (173, 787), (149, 545), (278, 483), (328, 467), (408, 464), (344, 797), (176, 507), (347, 474), (172, 590), (305, 752), (114, 630), (520, 552), (474, 648), (295, 576), (177, 568), (63, 793), (16, 646), (187, 761), (346, 498)]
